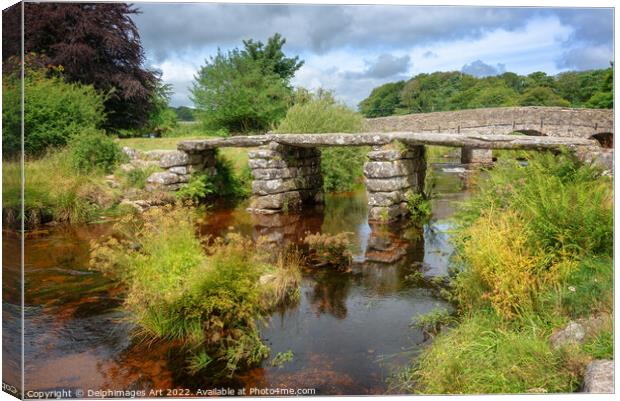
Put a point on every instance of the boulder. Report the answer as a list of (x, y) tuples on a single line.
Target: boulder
[(573, 333), (599, 377), (163, 178)]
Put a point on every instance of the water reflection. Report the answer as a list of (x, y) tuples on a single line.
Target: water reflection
[(347, 333)]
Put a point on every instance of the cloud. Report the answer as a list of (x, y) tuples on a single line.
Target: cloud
[(352, 49), (168, 29), (384, 66), (480, 69), (586, 58)]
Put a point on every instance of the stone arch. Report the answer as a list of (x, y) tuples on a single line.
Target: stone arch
[(605, 139)]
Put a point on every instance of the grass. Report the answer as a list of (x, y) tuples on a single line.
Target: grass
[(207, 299), (483, 356), (53, 190), (534, 251)]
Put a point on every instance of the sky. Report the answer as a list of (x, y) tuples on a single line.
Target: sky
[(352, 49)]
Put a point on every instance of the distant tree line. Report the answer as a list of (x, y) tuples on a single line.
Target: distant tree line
[(444, 91)]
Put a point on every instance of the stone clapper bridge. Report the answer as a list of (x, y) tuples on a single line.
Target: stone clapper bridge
[(287, 171)]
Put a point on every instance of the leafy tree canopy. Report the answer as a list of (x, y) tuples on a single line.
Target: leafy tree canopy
[(96, 44), (444, 91), (245, 90)]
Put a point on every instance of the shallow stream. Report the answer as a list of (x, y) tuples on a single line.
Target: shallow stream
[(348, 333)]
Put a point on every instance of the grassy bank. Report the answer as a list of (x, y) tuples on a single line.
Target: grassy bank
[(206, 299), (54, 190), (534, 250)]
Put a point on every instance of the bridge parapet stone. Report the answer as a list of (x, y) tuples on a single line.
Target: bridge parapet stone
[(390, 175), (178, 167), (285, 177)]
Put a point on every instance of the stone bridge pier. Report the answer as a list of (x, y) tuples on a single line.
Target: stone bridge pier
[(391, 175), (285, 177), (476, 156)]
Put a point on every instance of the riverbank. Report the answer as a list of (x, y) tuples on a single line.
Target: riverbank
[(535, 248)]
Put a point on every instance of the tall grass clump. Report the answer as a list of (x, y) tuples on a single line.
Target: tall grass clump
[(534, 249), (205, 298), (54, 190), (318, 114)]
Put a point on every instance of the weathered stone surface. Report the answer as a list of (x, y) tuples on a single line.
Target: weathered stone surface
[(552, 121), (389, 213), (396, 168), (131, 152), (385, 198), (281, 163), (156, 154), (599, 377), (381, 154), (179, 159), (290, 172), (573, 333), (391, 184), (289, 200), (178, 170), (163, 178), (476, 156), (267, 187)]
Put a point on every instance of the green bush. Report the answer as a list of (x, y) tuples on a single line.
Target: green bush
[(566, 204), (225, 183), (341, 167), (54, 111), (207, 300), (93, 150)]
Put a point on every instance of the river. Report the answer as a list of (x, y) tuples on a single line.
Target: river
[(347, 334)]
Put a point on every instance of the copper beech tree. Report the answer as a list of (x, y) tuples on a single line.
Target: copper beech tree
[(97, 44)]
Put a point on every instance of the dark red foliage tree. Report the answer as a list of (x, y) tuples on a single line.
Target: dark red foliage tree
[(98, 44)]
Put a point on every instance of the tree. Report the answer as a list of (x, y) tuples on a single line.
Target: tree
[(604, 98), (96, 44), (245, 90), (542, 96), (161, 117), (272, 58), (184, 113), (383, 100)]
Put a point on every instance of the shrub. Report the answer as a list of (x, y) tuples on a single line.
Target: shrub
[(419, 207), (54, 111), (206, 300), (93, 150), (566, 205), (499, 267), (225, 184), (329, 250), (318, 116), (342, 168), (319, 113)]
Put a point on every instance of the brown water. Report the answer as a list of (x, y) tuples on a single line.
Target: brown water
[(348, 332)]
